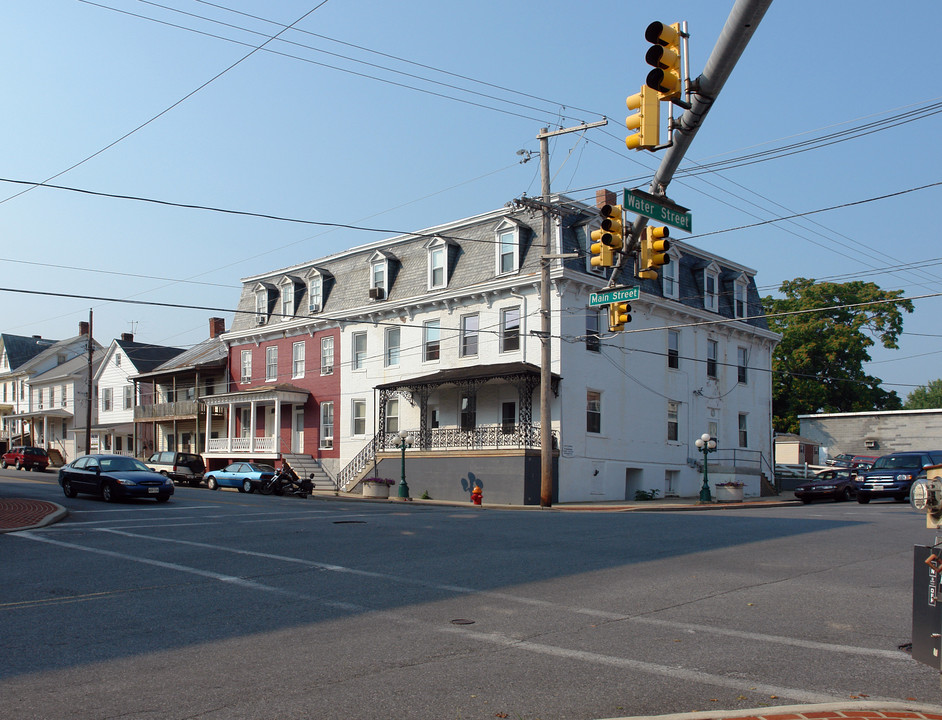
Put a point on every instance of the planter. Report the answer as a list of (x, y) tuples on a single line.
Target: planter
[(375, 490), (727, 494)]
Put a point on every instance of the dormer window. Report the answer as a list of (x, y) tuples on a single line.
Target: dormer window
[(287, 301), (380, 275), (711, 283), (317, 289), (740, 303), (261, 306), (670, 274), (437, 263), (508, 248)]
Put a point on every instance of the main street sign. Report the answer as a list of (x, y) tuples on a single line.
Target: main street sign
[(658, 208), (613, 295)]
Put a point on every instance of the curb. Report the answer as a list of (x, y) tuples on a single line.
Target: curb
[(18, 514), (861, 710)]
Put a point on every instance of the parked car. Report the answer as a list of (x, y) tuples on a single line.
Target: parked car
[(113, 477), (832, 484), (25, 457), (893, 475), (842, 460), (243, 475), (861, 463), (178, 466)]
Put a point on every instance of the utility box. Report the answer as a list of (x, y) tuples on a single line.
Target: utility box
[(927, 607)]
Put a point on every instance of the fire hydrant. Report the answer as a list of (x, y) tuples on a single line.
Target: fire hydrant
[(476, 495)]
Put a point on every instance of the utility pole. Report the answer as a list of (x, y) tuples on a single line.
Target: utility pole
[(89, 400)]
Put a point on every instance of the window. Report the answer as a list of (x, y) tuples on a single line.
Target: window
[(673, 349), (245, 423), (62, 395), (128, 397), (327, 356), (327, 425), (712, 357), (436, 266), (593, 342), (315, 294), (467, 412), (510, 329), (507, 252), (392, 416), (287, 301), (117, 359), (261, 305), (669, 277), (709, 290), (508, 417), (739, 299), (105, 399), (246, 366), (593, 411), (743, 431), (297, 359), (391, 355), (271, 363), (52, 396), (378, 275), (672, 432), (359, 350), (431, 342), (469, 335), (358, 416), (742, 356)]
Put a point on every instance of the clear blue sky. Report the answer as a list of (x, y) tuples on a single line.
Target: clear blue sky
[(297, 131)]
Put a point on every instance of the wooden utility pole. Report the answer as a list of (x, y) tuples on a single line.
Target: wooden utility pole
[(90, 399)]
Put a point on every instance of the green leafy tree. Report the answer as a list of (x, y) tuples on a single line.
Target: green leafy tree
[(925, 397), (826, 330)]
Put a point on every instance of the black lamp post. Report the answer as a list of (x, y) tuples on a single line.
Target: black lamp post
[(403, 440), (706, 445)]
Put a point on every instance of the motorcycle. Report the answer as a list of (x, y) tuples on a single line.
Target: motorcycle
[(286, 482)]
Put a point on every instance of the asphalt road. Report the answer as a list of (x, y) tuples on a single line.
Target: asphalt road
[(224, 605)]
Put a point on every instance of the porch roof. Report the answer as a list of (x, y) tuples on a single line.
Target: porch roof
[(285, 393), (509, 371)]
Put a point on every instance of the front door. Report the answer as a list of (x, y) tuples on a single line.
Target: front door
[(297, 434)]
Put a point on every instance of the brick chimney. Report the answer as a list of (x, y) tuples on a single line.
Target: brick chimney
[(217, 326), (605, 197), (83, 328), (127, 337)]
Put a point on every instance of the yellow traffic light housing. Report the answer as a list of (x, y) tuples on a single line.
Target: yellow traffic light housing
[(654, 249), (664, 56), (609, 238), (619, 313), (647, 121)]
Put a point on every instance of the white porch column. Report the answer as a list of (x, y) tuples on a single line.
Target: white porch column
[(276, 431), (252, 423), (208, 426), (231, 431)]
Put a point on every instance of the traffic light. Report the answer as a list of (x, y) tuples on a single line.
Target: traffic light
[(647, 121), (665, 57), (654, 249), (619, 313), (609, 238)]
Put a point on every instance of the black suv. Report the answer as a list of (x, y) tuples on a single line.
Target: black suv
[(892, 475), (178, 466)]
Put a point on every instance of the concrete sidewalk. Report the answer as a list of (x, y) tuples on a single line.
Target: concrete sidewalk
[(851, 710)]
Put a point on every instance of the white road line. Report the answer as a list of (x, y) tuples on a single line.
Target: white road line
[(671, 671)]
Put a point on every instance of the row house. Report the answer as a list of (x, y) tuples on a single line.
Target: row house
[(433, 337), (116, 393), (44, 391), (170, 411)]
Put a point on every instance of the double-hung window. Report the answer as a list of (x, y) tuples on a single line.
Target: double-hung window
[(739, 299), (672, 422), (327, 356), (246, 374), (128, 397), (713, 351), (271, 363), (359, 417), (743, 430), (742, 358), (593, 411), (359, 351), (510, 329), (287, 301), (673, 349), (593, 341), (315, 294), (469, 335), (297, 359), (391, 354), (710, 289), (437, 270), (327, 426), (105, 398), (431, 343), (507, 260)]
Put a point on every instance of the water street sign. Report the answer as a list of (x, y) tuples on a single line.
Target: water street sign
[(658, 208), (612, 295)]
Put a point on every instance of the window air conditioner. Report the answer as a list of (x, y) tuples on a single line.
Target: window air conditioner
[(260, 320), (377, 293), (315, 307)]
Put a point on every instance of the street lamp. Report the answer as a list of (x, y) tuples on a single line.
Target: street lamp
[(706, 445), (403, 440)]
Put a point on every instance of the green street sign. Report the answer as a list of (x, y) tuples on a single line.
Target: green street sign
[(612, 295), (658, 208)]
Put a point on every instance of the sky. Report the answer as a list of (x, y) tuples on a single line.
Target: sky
[(398, 116)]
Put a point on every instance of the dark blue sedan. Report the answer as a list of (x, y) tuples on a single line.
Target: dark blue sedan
[(113, 477), (245, 476)]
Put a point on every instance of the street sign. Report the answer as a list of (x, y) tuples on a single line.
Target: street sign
[(658, 208), (613, 295)]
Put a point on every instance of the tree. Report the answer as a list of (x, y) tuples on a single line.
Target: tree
[(826, 329), (925, 397)]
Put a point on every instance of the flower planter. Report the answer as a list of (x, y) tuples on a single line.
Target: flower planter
[(728, 494), (375, 490)]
